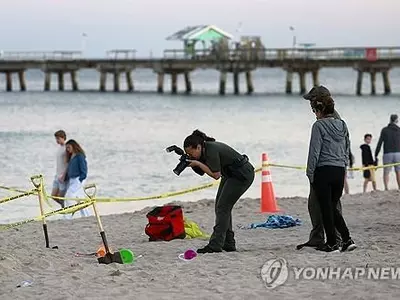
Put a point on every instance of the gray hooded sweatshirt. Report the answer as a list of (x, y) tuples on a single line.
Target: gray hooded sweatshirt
[(329, 145)]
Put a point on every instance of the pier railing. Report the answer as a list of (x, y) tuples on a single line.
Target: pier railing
[(40, 55), (370, 53)]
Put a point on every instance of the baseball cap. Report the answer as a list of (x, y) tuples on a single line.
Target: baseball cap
[(393, 118), (316, 92)]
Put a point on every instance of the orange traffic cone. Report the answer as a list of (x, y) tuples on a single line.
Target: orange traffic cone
[(268, 201)]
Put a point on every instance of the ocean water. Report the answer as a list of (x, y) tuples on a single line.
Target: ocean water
[(125, 134)]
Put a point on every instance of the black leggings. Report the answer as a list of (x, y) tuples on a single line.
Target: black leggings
[(328, 185)]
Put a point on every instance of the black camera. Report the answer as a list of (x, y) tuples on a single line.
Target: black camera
[(183, 163)]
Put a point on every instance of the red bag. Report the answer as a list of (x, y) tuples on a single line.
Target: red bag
[(165, 223)]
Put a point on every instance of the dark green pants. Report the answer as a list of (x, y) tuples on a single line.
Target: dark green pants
[(317, 232), (229, 192)]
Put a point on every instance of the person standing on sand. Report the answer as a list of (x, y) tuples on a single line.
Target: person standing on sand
[(328, 158), (346, 184), (368, 161), (76, 174), (390, 137), (317, 237), (219, 160), (59, 184)]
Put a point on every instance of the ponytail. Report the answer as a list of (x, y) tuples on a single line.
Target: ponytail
[(197, 138)]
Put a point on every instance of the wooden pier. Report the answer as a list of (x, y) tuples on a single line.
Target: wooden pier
[(177, 62)]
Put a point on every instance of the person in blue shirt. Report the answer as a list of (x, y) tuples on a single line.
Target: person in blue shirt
[(76, 173)]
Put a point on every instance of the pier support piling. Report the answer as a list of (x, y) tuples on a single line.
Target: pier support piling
[(315, 77), (47, 81), (386, 82), (188, 83), (116, 81), (359, 83), (302, 76), (74, 81), (373, 82), (174, 83), (60, 81), (160, 83), (249, 82), (129, 81), (289, 80), (22, 83), (103, 81), (236, 83), (222, 83), (8, 81)]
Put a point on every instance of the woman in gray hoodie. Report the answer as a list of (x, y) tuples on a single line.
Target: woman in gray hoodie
[(327, 160)]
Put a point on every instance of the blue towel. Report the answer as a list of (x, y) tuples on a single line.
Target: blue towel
[(276, 221)]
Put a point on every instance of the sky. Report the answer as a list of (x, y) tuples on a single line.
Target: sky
[(46, 25)]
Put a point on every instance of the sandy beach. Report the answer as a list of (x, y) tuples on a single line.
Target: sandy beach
[(159, 274)]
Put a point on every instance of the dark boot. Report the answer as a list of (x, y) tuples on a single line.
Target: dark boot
[(230, 244), (208, 249)]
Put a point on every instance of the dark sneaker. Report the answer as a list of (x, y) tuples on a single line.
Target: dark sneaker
[(308, 244), (208, 249), (349, 246), (229, 248), (327, 248)]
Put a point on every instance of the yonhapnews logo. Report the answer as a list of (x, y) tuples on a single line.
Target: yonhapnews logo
[(275, 272)]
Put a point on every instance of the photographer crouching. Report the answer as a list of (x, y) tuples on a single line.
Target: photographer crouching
[(218, 160)]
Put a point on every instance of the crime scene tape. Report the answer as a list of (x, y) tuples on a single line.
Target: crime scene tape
[(201, 187), (69, 209), (4, 200), (13, 189)]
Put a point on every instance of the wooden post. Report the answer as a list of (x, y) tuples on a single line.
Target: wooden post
[(249, 82), (289, 80), (222, 83), (386, 82), (74, 81), (8, 81), (116, 81), (60, 81), (373, 82), (103, 81), (359, 82), (22, 83), (174, 83), (47, 81), (236, 83), (315, 77), (160, 83), (302, 76), (129, 81), (188, 83)]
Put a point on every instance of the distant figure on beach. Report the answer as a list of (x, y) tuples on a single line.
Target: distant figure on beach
[(368, 161), (59, 184), (390, 137), (328, 158), (348, 174), (219, 160), (76, 174), (317, 237)]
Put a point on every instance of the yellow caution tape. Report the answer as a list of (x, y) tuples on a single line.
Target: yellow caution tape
[(4, 200), (66, 210), (13, 189), (190, 190)]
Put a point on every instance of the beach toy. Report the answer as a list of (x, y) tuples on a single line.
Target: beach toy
[(127, 256), (188, 255), (108, 258), (101, 251)]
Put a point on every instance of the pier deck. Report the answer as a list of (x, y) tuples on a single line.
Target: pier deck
[(176, 62)]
